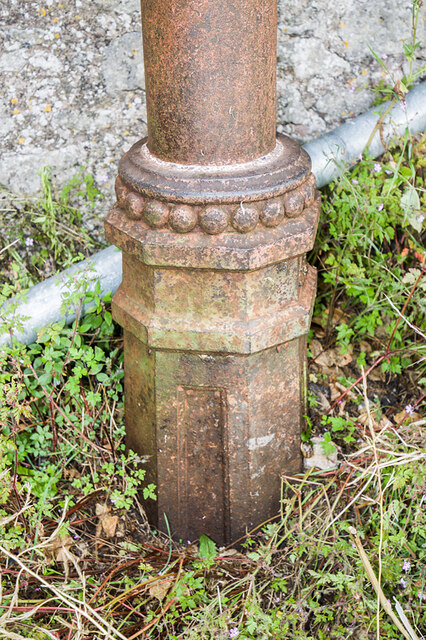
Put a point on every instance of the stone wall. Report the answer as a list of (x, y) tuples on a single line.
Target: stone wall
[(72, 78)]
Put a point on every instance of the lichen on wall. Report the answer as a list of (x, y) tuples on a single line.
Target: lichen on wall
[(72, 82)]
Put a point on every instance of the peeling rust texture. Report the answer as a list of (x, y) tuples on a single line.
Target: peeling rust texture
[(210, 79), (215, 214)]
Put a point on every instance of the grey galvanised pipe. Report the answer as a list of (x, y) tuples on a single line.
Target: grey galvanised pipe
[(342, 147), (331, 154)]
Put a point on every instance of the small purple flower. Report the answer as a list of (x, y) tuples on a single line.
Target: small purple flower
[(377, 167), (355, 181), (389, 172), (421, 595), (76, 537), (406, 566), (420, 217), (234, 633), (404, 104), (29, 242), (380, 207), (403, 583), (409, 409)]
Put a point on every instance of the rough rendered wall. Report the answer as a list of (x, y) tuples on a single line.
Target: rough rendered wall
[(72, 81)]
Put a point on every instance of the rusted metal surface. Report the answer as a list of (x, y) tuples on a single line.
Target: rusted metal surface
[(282, 170), (209, 311), (230, 251), (214, 215), (225, 427), (210, 79)]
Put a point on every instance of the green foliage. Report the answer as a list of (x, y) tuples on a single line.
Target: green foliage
[(82, 185), (342, 425), (393, 89), (327, 444), (208, 549), (57, 398), (44, 233), (370, 249)]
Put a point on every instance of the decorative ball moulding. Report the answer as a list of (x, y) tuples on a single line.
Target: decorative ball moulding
[(213, 219)]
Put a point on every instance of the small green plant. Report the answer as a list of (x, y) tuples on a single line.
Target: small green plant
[(51, 210), (56, 399), (82, 185), (397, 89), (370, 250), (45, 233)]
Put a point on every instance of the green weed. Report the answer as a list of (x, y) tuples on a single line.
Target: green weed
[(45, 233), (370, 252)]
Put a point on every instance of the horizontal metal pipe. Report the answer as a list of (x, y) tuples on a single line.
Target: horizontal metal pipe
[(330, 154), (41, 305), (340, 148)]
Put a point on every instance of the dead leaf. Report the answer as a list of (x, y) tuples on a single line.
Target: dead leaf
[(407, 418), (364, 419), (72, 473), (338, 317), (385, 423), (324, 404), (160, 588), (320, 321), (102, 508), (107, 523), (336, 390), (60, 552), (333, 358), (121, 529), (365, 346), (228, 553), (377, 375), (316, 348)]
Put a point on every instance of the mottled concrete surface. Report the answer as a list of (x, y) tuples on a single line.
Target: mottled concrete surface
[(72, 95)]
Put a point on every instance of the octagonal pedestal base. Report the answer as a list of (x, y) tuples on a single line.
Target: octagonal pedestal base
[(216, 303), (219, 429)]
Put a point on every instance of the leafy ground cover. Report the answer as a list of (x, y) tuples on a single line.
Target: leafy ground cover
[(344, 558)]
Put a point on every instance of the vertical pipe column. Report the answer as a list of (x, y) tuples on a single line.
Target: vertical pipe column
[(210, 79), (214, 214)]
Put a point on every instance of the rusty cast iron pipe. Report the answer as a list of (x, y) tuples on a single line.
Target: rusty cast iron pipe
[(210, 79), (214, 214)]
